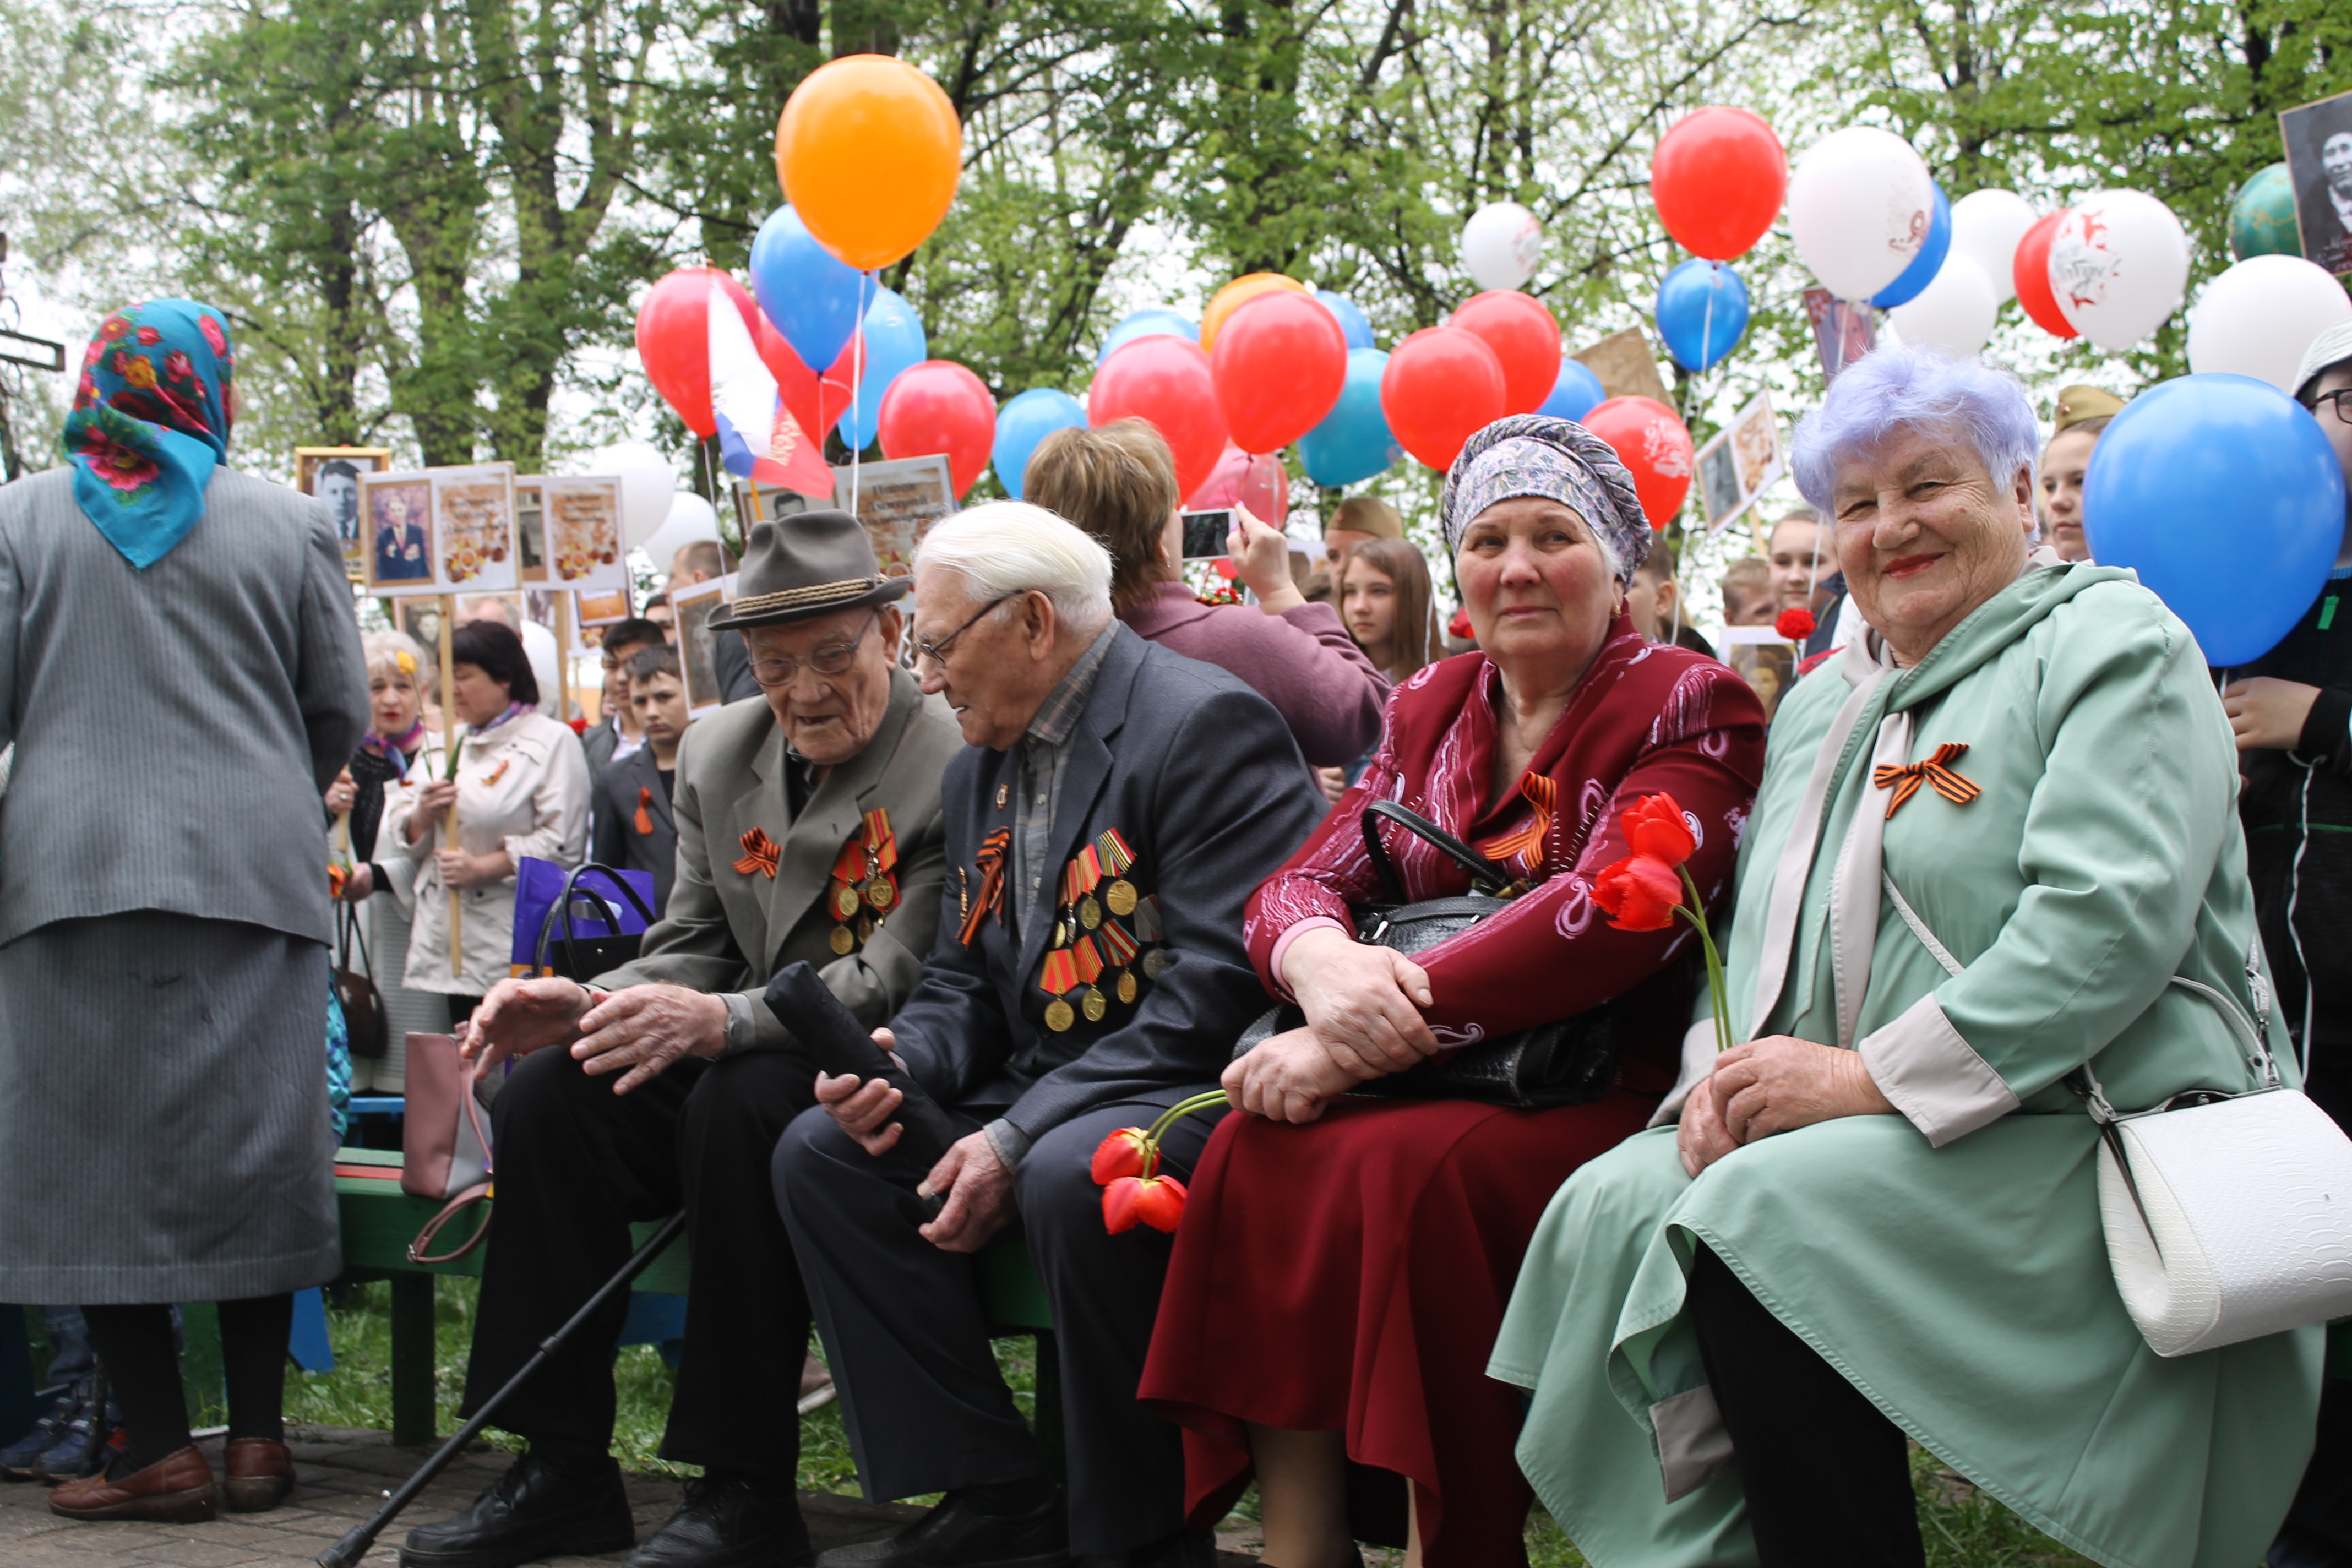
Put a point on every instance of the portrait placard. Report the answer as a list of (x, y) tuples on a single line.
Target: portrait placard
[(1739, 461), (2319, 138), (1763, 658), (897, 500), (331, 474), (1625, 366), (695, 604), (531, 529), (397, 513), (601, 609), (756, 503), (582, 532), (474, 528), (1843, 329)]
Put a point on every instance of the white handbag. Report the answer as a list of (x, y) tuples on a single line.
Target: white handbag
[(2228, 1216)]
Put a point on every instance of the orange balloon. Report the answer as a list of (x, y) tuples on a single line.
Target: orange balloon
[(867, 150), (1236, 294)]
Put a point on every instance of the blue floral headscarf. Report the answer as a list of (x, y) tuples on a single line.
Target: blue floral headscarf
[(150, 423)]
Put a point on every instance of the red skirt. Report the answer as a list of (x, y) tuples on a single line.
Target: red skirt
[(1350, 1275)]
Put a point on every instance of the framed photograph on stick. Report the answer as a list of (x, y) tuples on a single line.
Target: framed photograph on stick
[(601, 609), (583, 532), (474, 528), (396, 510), (897, 500), (1739, 462), (331, 474), (2319, 138), (531, 529), (1843, 329), (697, 656), (1765, 659)]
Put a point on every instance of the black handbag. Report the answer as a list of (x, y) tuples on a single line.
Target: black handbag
[(577, 957), (1570, 1061), (355, 989)]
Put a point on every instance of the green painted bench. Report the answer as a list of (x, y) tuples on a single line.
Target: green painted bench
[(379, 1221)]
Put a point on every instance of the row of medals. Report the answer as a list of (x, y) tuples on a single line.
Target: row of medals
[(851, 900), (1088, 914)]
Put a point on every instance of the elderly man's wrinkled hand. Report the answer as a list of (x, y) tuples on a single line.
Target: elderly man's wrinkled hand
[(1778, 1083), (978, 1190), (862, 1107), (1287, 1078), (646, 1027), (519, 1016), (1700, 1136), (1363, 1002)]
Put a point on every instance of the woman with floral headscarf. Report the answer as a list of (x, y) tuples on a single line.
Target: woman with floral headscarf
[(164, 1129), (1343, 1262)]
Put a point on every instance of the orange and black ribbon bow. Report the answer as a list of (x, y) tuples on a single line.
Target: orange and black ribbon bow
[(1937, 770), (761, 854), (1542, 792), (993, 850), (644, 814)]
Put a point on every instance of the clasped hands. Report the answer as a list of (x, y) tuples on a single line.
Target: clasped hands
[(1772, 1085), (1363, 1006), (976, 1188), (636, 1032)]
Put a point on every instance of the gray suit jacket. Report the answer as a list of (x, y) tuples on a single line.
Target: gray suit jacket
[(1201, 779), (730, 930), (600, 742), (175, 726)]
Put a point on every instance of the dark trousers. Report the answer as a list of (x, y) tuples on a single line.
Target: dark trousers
[(1827, 1475), (2318, 1529), (575, 1164), (907, 1334)]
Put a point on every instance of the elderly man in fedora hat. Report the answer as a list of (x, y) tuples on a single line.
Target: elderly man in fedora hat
[(809, 827)]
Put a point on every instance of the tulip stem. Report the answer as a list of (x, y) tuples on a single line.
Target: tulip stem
[(1694, 911), (1168, 1117)]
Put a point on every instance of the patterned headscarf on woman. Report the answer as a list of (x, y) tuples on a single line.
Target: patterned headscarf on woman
[(1536, 455), (150, 423)]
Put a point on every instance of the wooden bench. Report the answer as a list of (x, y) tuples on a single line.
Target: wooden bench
[(380, 1220)]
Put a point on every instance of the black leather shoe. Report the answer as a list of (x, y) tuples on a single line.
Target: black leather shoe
[(972, 1529), (729, 1521), (536, 1510)]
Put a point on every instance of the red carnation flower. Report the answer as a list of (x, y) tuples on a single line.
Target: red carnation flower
[(1123, 1153), (1796, 624), (1657, 827), (1155, 1200), (1638, 893)]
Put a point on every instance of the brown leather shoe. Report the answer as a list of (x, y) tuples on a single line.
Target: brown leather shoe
[(176, 1490), (260, 1474)]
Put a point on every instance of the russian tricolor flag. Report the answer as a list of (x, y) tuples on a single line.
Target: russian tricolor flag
[(759, 439)]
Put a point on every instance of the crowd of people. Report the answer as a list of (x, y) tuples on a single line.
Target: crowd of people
[(1089, 854)]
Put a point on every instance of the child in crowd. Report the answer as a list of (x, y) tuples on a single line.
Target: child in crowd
[(2083, 411), (1654, 601), (635, 828), (1748, 593)]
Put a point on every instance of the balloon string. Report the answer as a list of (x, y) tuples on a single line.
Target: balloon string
[(857, 382), (1707, 329)]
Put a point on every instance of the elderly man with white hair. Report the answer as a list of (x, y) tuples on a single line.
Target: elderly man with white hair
[(1116, 806)]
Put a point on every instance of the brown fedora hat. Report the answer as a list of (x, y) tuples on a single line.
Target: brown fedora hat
[(811, 563)]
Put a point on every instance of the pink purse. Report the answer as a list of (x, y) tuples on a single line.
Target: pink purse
[(445, 1147)]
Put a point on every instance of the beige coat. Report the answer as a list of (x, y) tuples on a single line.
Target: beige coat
[(522, 787)]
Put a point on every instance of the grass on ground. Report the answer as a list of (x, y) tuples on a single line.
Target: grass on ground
[(1963, 1529)]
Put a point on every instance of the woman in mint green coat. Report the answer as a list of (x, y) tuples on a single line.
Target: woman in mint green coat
[(1878, 1215)]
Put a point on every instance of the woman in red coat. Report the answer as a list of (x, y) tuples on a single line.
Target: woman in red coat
[(1343, 1263)]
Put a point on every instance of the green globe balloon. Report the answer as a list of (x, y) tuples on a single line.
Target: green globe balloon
[(2262, 220)]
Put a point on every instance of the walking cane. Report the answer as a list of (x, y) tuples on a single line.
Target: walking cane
[(346, 1553)]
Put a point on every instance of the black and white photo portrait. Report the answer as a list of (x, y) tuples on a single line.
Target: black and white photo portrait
[(2319, 138)]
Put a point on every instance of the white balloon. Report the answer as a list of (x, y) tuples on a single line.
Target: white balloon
[(1953, 314), (2257, 318), (647, 482), (1859, 206), (2118, 266), (1986, 229), (539, 647), (1501, 244), (690, 518)]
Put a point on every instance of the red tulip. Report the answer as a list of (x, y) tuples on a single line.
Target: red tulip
[(1796, 624), (1120, 1155), (1656, 829), (1155, 1200), (1637, 893)]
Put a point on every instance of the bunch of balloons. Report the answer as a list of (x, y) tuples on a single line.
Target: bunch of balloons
[(1718, 178)]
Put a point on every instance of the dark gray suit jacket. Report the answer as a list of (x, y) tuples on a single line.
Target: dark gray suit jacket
[(617, 841), (173, 727), (1198, 776)]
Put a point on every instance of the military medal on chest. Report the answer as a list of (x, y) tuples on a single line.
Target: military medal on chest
[(1105, 929), (863, 888)]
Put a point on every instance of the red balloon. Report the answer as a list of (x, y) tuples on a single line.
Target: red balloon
[(940, 407), (1441, 385), (674, 339), (1524, 336), (1652, 442), (1164, 380), (816, 402), (1279, 364), (1261, 484), (1718, 177), (2031, 272)]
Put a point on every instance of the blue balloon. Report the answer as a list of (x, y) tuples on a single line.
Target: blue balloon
[(1150, 323), (1352, 443), (1576, 394), (1024, 422), (1928, 263), (806, 294), (1351, 321), (1702, 312), (894, 342), (2176, 463)]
